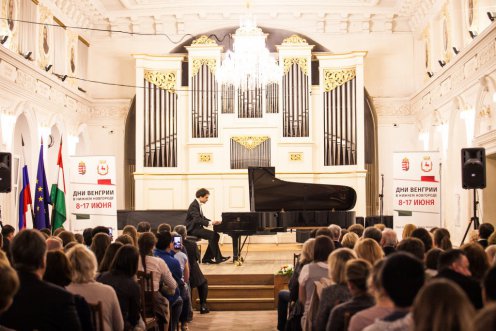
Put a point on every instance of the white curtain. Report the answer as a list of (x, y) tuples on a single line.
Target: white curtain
[(82, 66), (59, 50), (27, 31)]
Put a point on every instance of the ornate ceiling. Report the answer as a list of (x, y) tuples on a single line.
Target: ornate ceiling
[(179, 17)]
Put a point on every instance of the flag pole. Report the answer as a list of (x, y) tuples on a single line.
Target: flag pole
[(24, 158)]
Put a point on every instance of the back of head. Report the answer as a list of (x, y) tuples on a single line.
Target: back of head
[(442, 305), (485, 230), (58, 231), (373, 233), (9, 285), (402, 277), (54, 244), (337, 264), (99, 245), (324, 232), (132, 232), (58, 269), (432, 258), (100, 229), (146, 243), (79, 238), (109, 256), (368, 249), (28, 250), (356, 228), (424, 236), (323, 247), (164, 227), (389, 238), (125, 239), (349, 240), (125, 261), (407, 230), (486, 318), (335, 231), (163, 240), (88, 236), (489, 285), (442, 239), (380, 226), (181, 230), (357, 272), (7, 230), (477, 258), (144, 227), (66, 237), (413, 246), (447, 258), (307, 251), (46, 231), (83, 264)]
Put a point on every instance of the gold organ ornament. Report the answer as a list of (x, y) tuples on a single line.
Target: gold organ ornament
[(336, 77), (197, 64), (164, 80), (294, 40), (250, 142), (302, 62), (204, 40)]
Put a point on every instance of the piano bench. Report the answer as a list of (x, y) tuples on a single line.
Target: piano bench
[(195, 239)]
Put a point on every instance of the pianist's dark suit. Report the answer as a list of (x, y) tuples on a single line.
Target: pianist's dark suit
[(195, 222)]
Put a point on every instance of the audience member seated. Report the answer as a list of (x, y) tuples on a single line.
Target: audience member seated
[(59, 272), (122, 277), (46, 232), (349, 240), (473, 236), (196, 278), (58, 231), (144, 227), (125, 239), (383, 304), (489, 286), (407, 230), (290, 297), (485, 230), (8, 233), (163, 282), (314, 271), (336, 234), (492, 239), (413, 246), (357, 229), (38, 304), (3, 259), (132, 232), (83, 283), (337, 292), (180, 254), (164, 227), (477, 260), (442, 306), (490, 253), (485, 319), (369, 250), (389, 240), (99, 245), (431, 262), (70, 245), (163, 250), (357, 272), (380, 226), (9, 285), (424, 236), (66, 237), (88, 236), (343, 232), (373, 233), (54, 244), (442, 239), (79, 238), (100, 229), (324, 232), (402, 277), (454, 265), (109, 257)]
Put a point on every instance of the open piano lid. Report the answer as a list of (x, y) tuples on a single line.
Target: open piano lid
[(267, 193)]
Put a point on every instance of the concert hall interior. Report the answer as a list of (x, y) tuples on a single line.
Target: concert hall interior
[(293, 115)]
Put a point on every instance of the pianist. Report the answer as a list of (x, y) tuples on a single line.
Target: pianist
[(195, 223)]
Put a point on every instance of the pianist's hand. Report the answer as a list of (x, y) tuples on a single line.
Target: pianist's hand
[(216, 222)]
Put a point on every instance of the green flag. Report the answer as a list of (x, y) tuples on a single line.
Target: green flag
[(57, 195)]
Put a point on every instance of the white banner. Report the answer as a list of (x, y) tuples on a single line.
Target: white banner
[(93, 195), (416, 189)]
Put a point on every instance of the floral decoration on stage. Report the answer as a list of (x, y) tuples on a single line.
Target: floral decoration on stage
[(285, 270)]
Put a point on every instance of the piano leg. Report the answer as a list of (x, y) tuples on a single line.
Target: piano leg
[(236, 242)]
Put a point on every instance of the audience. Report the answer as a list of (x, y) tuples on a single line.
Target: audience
[(88, 236), (164, 227), (407, 231), (492, 239), (79, 238), (373, 233), (454, 265), (389, 240), (121, 277), (357, 229), (144, 227), (9, 285), (131, 231), (485, 319), (431, 262), (54, 244), (84, 284), (413, 246), (100, 229), (125, 239), (442, 306), (338, 291), (424, 236), (99, 245), (66, 237), (357, 271), (489, 286), (335, 234), (485, 230), (180, 254), (477, 259), (37, 304), (369, 250), (349, 240), (108, 257), (8, 232), (442, 239), (490, 253), (380, 226)]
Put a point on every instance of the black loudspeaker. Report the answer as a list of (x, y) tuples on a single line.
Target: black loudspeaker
[(473, 168), (5, 172)]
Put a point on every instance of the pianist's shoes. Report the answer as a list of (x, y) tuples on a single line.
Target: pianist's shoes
[(224, 259), (209, 261)]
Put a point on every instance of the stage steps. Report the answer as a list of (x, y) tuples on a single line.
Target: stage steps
[(239, 292)]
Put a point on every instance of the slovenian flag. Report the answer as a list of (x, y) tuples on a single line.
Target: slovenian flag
[(24, 198), (57, 195)]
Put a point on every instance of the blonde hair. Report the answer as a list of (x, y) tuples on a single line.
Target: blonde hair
[(407, 230), (132, 232), (492, 239), (368, 249), (337, 264), (307, 251), (442, 305), (349, 240), (83, 263), (380, 226)]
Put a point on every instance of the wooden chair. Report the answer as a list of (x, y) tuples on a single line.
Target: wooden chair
[(147, 302), (296, 257), (96, 311)]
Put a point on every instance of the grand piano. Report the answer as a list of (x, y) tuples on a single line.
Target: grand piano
[(277, 205)]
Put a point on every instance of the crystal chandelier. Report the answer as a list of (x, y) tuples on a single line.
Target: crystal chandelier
[(249, 65)]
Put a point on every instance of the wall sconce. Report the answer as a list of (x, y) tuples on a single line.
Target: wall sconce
[(61, 77), (48, 67), (456, 50), (4, 39), (430, 74), (473, 34), (81, 89), (7, 125), (491, 16), (442, 63), (27, 55)]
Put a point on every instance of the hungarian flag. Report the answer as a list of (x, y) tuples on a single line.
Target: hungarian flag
[(57, 195), (24, 198), (41, 196)]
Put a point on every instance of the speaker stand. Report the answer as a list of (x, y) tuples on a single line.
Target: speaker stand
[(473, 219)]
